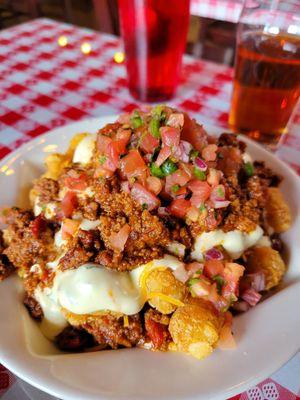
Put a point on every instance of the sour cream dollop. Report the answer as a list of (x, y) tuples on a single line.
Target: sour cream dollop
[(234, 242), (84, 150)]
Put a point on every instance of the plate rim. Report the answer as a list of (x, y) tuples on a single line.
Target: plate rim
[(68, 392)]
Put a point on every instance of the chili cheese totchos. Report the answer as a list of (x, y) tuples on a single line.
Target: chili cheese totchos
[(150, 233)]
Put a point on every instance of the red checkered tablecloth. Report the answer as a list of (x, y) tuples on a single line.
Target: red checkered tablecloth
[(224, 10), (44, 84)]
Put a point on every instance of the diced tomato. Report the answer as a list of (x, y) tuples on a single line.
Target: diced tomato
[(170, 136), (122, 139), (102, 172), (38, 225), (213, 267), (154, 184), (149, 143), (69, 203), (69, 228), (213, 176), (193, 133), (179, 177), (119, 239), (232, 273), (155, 331), (179, 207), (112, 157), (176, 120), (181, 192), (132, 163), (164, 153), (209, 152), (102, 143), (144, 197), (76, 183), (201, 191)]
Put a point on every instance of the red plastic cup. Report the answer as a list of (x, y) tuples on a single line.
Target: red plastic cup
[(154, 34)]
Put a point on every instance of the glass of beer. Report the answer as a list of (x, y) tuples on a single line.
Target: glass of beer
[(267, 69), (154, 34)]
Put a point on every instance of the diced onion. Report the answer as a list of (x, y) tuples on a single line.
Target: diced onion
[(200, 164), (251, 296), (213, 254)]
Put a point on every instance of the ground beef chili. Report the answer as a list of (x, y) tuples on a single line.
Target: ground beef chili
[(154, 178)]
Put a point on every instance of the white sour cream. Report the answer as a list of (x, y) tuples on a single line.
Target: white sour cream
[(234, 242), (84, 150), (91, 288)]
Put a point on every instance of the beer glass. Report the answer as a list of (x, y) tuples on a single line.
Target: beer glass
[(154, 34), (267, 69)]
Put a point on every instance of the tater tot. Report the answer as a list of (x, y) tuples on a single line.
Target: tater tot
[(269, 261), (277, 211), (55, 163), (164, 282), (195, 328)]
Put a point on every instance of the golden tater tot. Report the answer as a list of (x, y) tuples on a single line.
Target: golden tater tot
[(277, 211), (269, 261), (56, 162), (164, 282), (195, 328)]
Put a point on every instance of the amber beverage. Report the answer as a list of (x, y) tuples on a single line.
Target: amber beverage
[(266, 85)]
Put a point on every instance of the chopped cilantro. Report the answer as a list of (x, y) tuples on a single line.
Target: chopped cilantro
[(156, 171), (220, 282), (193, 154), (220, 191), (175, 188), (249, 169), (168, 167), (199, 174), (102, 159), (192, 281), (159, 113), (136, 120), (154, 127), (202, 207)]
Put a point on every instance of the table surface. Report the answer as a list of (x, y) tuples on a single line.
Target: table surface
[(224, 10), (44, 85)]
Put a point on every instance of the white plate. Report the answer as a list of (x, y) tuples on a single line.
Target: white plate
[(267, 336)]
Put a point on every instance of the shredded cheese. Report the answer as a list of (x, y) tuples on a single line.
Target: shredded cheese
[(125, 321), (147, 270), (166, 298)]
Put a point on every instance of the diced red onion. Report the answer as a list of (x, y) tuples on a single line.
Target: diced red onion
[(251, 296), (213, 254), (257, 281), (180, 196), (200, 164), (125, 186), (215, 194), (241, 306), (163, 211), (147, 157), (221, 203), (181, 274)]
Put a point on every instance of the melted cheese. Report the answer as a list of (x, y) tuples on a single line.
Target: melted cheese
[(84, 150), (91, 288), (234, 242)]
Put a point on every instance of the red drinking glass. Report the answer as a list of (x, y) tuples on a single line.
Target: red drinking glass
[(154, 34)]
